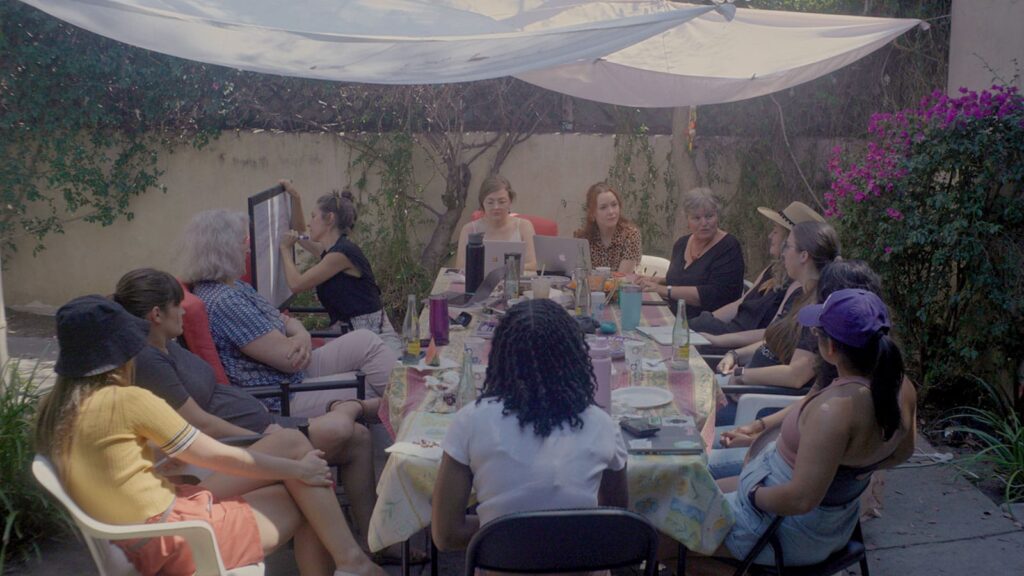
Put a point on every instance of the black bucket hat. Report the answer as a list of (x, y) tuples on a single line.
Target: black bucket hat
[(96, 335)]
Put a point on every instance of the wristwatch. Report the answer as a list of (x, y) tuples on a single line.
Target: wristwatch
[(669, 292)]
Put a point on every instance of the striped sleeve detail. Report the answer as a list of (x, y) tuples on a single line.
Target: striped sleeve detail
[(180, 441)]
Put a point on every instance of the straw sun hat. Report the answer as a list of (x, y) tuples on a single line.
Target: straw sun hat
[(792, 215)]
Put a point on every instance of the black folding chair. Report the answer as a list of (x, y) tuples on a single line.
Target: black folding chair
[(564, 541), (853, 553)]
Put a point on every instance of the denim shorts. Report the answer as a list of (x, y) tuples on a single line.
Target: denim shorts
[(806, 539)]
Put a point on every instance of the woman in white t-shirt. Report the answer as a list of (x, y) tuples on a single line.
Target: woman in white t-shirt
[(534, 440)]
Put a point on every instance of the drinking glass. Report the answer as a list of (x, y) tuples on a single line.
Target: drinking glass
[(634, 350), (541, 287), (629, 303)]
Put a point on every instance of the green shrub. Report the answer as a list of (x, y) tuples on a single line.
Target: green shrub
[(26, 514), (1000, 433), (936, 205)]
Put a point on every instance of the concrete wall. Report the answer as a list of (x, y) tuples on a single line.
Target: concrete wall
[(985, 40), (549, 172)]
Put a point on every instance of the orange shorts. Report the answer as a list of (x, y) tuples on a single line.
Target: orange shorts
[(234, 529)]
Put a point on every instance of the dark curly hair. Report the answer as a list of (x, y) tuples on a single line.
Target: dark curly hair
[(540, 368)]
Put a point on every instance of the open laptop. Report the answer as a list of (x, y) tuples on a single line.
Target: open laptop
[(558, 255), (494, 254)]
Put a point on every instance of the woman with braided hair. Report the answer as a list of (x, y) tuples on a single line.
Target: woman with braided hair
[(343, 278), (534, 440)]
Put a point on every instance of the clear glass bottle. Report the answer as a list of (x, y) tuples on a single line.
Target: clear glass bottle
[(681, 337), (511, 276), (582, 293), (411, 332)]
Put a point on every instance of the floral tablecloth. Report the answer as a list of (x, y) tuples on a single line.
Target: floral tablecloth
[(676, 493)]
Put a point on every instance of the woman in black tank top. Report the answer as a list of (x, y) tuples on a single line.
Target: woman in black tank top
[(343, 278)]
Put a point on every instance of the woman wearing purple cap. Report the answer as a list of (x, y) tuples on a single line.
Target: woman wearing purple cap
[(832, 441)]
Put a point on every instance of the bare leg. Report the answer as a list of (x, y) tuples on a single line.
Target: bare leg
[(318, 505), (310, 554), (284, 443), (696, 564), (728, 484)]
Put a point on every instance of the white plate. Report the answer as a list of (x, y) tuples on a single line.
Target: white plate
[(642, 396)]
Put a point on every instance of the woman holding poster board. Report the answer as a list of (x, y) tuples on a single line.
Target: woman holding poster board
[(343, 278)]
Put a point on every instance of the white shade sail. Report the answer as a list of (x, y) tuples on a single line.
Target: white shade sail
[(643, 53)]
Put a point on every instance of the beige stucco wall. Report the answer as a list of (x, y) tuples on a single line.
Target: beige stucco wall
[(550, 173), (985, 40)]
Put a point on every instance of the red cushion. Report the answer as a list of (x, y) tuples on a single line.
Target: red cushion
[(542, 226), (196, 331)]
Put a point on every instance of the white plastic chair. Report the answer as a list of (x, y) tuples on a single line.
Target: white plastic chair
[(748, 405), (651, 265), (110, 560)]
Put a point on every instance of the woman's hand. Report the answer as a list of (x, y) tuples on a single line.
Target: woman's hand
[(650, 284), (287, 184), (288, 239), (313, 469), (728, 363), (301, 350), (743, 435)]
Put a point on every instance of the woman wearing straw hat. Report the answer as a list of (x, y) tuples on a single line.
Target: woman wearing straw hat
[(97, 427), (743, 321)]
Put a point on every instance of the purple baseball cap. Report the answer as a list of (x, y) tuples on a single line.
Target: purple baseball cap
[(851, 316)]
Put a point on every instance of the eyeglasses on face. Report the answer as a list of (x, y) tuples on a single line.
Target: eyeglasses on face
[(497, 203)]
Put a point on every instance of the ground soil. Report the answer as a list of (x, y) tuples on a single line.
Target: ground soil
[(26, 325)]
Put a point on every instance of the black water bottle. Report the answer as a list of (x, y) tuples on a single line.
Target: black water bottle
[(474, 262)]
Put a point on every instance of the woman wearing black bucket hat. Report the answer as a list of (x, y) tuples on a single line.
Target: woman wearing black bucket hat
[(832, 441), (97, 427)]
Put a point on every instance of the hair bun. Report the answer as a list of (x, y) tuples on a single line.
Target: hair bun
[(347, 194)]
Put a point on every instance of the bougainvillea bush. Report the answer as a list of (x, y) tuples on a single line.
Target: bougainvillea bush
[(935, 204)]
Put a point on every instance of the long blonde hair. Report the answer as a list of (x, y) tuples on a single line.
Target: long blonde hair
[(59, 410)]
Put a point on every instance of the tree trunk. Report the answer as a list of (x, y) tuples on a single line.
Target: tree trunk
[(457, 185), (687, 174)]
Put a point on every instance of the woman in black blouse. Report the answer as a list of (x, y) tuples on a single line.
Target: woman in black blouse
[(706, 269), (343, 278), (743, 321)]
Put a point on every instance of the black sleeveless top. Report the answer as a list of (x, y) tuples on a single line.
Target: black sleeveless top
[(756, 310), (346, 296)]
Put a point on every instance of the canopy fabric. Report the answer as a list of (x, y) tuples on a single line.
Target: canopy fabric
[(637, 53)]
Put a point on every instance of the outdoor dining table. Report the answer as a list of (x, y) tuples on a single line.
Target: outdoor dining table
[(676, 493)]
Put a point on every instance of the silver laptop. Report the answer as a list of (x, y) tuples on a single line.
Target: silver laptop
[(494, 254), (558, 255)]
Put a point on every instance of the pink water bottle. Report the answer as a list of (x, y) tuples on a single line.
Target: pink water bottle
[(439, 319), (601, 358)]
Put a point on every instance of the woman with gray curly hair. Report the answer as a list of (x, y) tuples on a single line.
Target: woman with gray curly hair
[(257, 344), (706, 269)]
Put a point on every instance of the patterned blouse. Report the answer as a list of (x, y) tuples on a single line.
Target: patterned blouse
[(625, 246)]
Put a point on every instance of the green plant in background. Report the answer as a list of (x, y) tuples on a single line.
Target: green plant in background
[(82, 119), (635, 174), (999, 432), (26, 513), (388, 219), (936, 205)]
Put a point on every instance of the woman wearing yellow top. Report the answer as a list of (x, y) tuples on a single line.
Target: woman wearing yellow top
[(614, 240), (96, 427)]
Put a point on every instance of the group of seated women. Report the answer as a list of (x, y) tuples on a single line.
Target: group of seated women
[(534, 439)]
